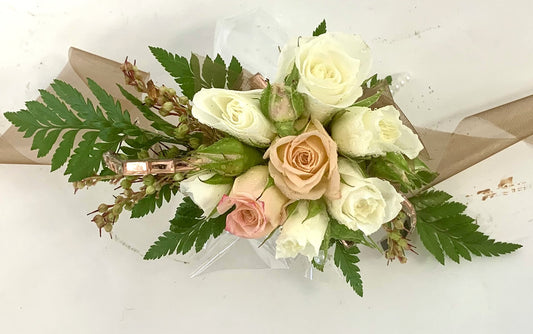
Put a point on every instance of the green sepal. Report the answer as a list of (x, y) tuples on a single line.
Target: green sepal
[(291, 208), (228, 157), (270, 235), (264, 101), (285, 128), (291, 80), (219, 179), (270, 182), (297, 102), (326, 244), (407, 174), (314, 208)]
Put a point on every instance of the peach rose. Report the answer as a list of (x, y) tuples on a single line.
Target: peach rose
[(305, 166), (258, 211)]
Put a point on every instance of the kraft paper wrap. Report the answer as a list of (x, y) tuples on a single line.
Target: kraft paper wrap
[(14, 149), (475, 138)]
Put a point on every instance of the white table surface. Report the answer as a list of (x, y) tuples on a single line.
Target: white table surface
[(57, 276)]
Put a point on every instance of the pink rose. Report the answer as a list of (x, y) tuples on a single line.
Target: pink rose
[(305, 166), (258, 211)]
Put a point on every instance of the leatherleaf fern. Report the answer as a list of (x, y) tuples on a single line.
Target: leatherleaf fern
[(187, 229), (445, 229), (102, 128)]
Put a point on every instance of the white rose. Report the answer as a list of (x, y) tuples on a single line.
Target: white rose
[(332, 67), (361, 131), (301, 236), (206, 196), (365, 203), (234, 112)]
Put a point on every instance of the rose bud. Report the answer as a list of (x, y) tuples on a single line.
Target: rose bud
[(280, 107)]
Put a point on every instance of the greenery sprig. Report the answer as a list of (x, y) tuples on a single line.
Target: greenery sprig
[(102, 128), (445, 230), (187, 229)]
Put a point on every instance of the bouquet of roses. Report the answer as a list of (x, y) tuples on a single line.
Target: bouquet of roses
[(313, 159)]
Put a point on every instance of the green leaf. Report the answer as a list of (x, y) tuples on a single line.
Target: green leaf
[(342, 232), (218, 72), (213, 72), (408, 175), (63, 150), (86, 159), (234, 78), (188, 229), (373, 81), (445, 230), (150, 203), (369, 101), (191, 76), (62, 117), (47, 142), (431, 198), (178, 67), (339, 231), (165, 245), (321, 29), (199, 82), (346, 260)]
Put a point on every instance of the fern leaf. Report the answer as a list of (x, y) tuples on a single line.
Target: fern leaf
[(346, 260), (188, 229), (446, 231)]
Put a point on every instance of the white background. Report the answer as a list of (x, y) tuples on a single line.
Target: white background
[(57, 276)]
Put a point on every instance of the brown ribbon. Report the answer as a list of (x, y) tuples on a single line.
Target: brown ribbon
[(475, 138)]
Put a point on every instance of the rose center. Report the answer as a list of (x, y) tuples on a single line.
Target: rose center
[(324, 71), (305, 159), (363, 206), (366, 207), (235, 114), (388, 131)]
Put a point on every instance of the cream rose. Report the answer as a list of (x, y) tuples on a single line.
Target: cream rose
[(305, 166), (300, 235), (206, 196), (332, 67), (361, 131), (366, 203), (257, 210), (234, 112)]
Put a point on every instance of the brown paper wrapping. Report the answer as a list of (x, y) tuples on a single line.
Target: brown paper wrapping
[(14, 149), (475, 138)]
